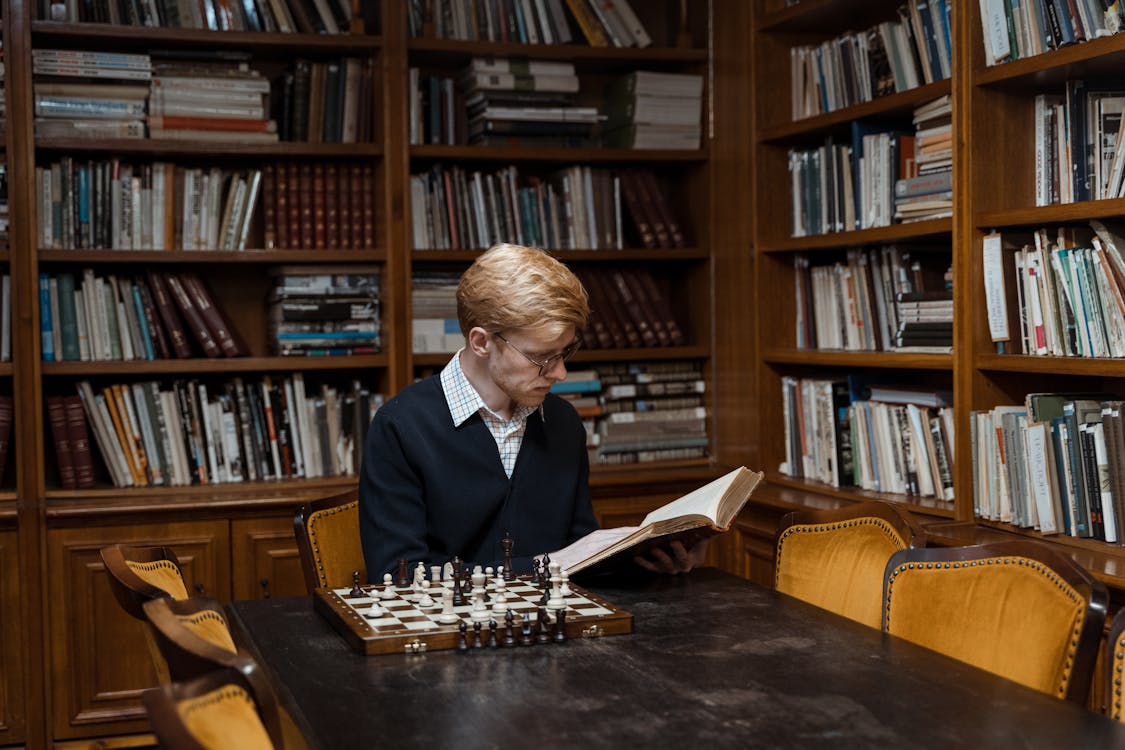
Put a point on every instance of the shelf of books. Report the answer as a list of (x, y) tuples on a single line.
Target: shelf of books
[(1047, 323), (580, 131), (856, 371)]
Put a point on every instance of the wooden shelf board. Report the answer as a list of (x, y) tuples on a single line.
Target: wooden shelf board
[(374, 255), (1039, 215), (1114, 368), (241, 495), (631, 254), (533, 153), (217, 365), (914, 230), (819, 15), (450, 51), (663, 472), (901, 103), (5, 255), (438, 359), (1103, 56), (8, 509), (927, 506), (833, 358), (145, 37), (146, 147), (6, 369)]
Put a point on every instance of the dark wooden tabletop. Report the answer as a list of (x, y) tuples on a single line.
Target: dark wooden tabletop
[(714, 662)]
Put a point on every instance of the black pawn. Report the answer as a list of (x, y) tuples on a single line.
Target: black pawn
[(509, 630), (477, 642), (402, 581), (462, 643), (560, 626), (525, 633), (492, 642), (357, 590), (544, 634)]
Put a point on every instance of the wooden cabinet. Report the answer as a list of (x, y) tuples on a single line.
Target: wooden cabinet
[(99, 661), (264, 558), (11, 644)]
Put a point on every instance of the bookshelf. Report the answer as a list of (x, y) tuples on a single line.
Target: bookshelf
[(64, 678)]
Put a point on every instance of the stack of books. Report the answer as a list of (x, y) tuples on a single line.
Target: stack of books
[(629, 308), (926, 192), (324, 310), (210, 101), (326, 101), (434, 304), (1012, 33), (654, 110), (111, 108), (285, 16)]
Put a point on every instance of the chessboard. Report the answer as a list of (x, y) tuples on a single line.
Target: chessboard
[(404, 627)]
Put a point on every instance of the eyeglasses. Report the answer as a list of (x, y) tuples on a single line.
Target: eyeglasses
[(546, 364)]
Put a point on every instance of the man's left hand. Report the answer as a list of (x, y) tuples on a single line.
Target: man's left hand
[(673, 558)]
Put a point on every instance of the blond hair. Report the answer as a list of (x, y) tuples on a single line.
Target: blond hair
[(512, 287)]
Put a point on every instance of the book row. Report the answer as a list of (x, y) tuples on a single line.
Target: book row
[(1013, 30), (111, 204), (884, 439), (156, 315), (190, 432), (1079, 151), (879, 299), (859, 66), (1065, 294), (600, 23), (575, 208), (1054, 464), (273, 16), (325, 310)]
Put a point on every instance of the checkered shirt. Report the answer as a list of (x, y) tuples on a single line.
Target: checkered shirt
[(464, 402)]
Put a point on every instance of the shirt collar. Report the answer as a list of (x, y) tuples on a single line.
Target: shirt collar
[(464, 401)]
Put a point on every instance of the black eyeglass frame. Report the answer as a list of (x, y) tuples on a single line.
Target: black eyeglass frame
[(546, 365)]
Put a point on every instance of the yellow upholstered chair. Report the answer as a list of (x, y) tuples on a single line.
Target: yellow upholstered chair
[(328, 539), (835, 558), (1115, 666), (1017, 609), (192, 635), (218, 711)]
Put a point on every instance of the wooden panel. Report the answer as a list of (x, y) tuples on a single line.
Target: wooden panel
[(265, 558), (99, 661), (12, 689)]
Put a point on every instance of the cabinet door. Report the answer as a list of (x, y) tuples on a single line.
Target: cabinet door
[(755, 543), (265, 559), (11, 643), (100, 663)]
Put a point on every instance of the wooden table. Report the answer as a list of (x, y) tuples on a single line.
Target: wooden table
[(714, 662)]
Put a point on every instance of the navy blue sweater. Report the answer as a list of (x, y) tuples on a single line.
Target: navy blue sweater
[(429, 491)]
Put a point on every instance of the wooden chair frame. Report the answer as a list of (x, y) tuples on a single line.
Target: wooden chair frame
[(1092, 590), (1113, 679), (311, 564), (131, 590), (188, 655), (160, 704)]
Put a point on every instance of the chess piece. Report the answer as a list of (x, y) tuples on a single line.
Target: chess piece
[(426, 601), (480, 611), (458, 593), (462, 644), (477, 642), (448, 616), (447, 572), (374, 612), (560, 626), (565, 587), (507, 544), (509, 629), (435, 572), (525, 632), (499, 603), (556, 602), (492, 642), (544, 630), (357, 591), (401, 580), (388, 588)]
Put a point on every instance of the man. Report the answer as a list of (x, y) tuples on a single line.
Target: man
[(455, 461)]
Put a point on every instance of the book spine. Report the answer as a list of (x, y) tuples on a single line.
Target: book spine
[(192, 315)]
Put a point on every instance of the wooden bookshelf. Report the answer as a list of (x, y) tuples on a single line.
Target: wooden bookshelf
[(915, 504), (98, 35), (508, 154), (842, 359), (143, 147), (569, 256), (916, 230), (189, 257)]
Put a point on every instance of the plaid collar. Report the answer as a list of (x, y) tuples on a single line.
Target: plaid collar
[(464, 401)]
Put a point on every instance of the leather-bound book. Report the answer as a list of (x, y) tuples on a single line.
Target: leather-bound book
[(56, 415), (667, 219), (641, 318), (319, 209), (636, 208), (167, 310), (367, 184), (213, 317), (331, 209), (79, 441), (343, 208), (269, 207), (305, 191), (152, 318), (192, 314)]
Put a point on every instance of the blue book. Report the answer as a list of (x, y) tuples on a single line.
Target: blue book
[(146, 334), (68, 319), (577, 386), (84, 207), (46, 329), (520, 24)]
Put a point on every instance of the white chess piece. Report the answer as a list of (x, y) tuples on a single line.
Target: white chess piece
[(499, 602), (426, 601), (499, 574), (447, 572), (556, 600), (480, 612), (375, 611), (447, 616), (435, 572), (388, 587), (565, 587)]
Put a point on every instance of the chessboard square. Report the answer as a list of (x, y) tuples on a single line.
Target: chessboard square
[(426, 624), (593, 611), (384, 622)]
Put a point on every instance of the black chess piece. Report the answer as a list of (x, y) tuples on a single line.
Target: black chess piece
[(508, 544), (357, 590), (560, 626), (492, 642), (401, 580), (458, 594), (509, 629), (525, 632), (462, 643), (477, 642), (544, 619), (546, 597)]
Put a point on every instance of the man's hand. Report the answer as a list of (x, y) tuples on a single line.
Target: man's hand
[(673, 558)]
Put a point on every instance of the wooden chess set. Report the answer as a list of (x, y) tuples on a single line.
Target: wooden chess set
[(460, 609)]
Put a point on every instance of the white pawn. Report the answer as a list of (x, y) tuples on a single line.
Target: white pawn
[(374, 612), (499, 575), (565, 587), (499, 602), (426, 601), (556, 600), (447, 616), (388, 587)]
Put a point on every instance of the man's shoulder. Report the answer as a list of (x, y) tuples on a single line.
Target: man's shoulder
[(419, 396), (556, 407)]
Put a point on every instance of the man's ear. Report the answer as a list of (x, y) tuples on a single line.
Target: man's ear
[(479, 341)]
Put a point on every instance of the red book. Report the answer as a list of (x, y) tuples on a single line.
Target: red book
[(636, 208), (213, 317), (152, 319), (292, 214), (641, 320), (649, 306), (192, 315), (367, 184), (664, 309), (355, 197), (56, 415), (674, 236), (319, 210), (269, 206), (343, 209), (224, 124), (81, 456), (331, 209), (167, 310), (305, 219)]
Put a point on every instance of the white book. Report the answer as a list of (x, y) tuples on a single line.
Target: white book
[(302, 428), (1106, 493), (296, 443), (248, 206), (229, 220), (105, 436), (208, 431), (160, 176), (530, 29), (232, 456), (171, 409), (136, 212), (56, 321)]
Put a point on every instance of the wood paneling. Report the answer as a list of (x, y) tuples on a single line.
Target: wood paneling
[(12, 702), (264, 558)]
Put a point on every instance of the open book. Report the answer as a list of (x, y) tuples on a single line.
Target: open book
[(708, 510)]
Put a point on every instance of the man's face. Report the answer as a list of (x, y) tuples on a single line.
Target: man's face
[(516, 376)]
